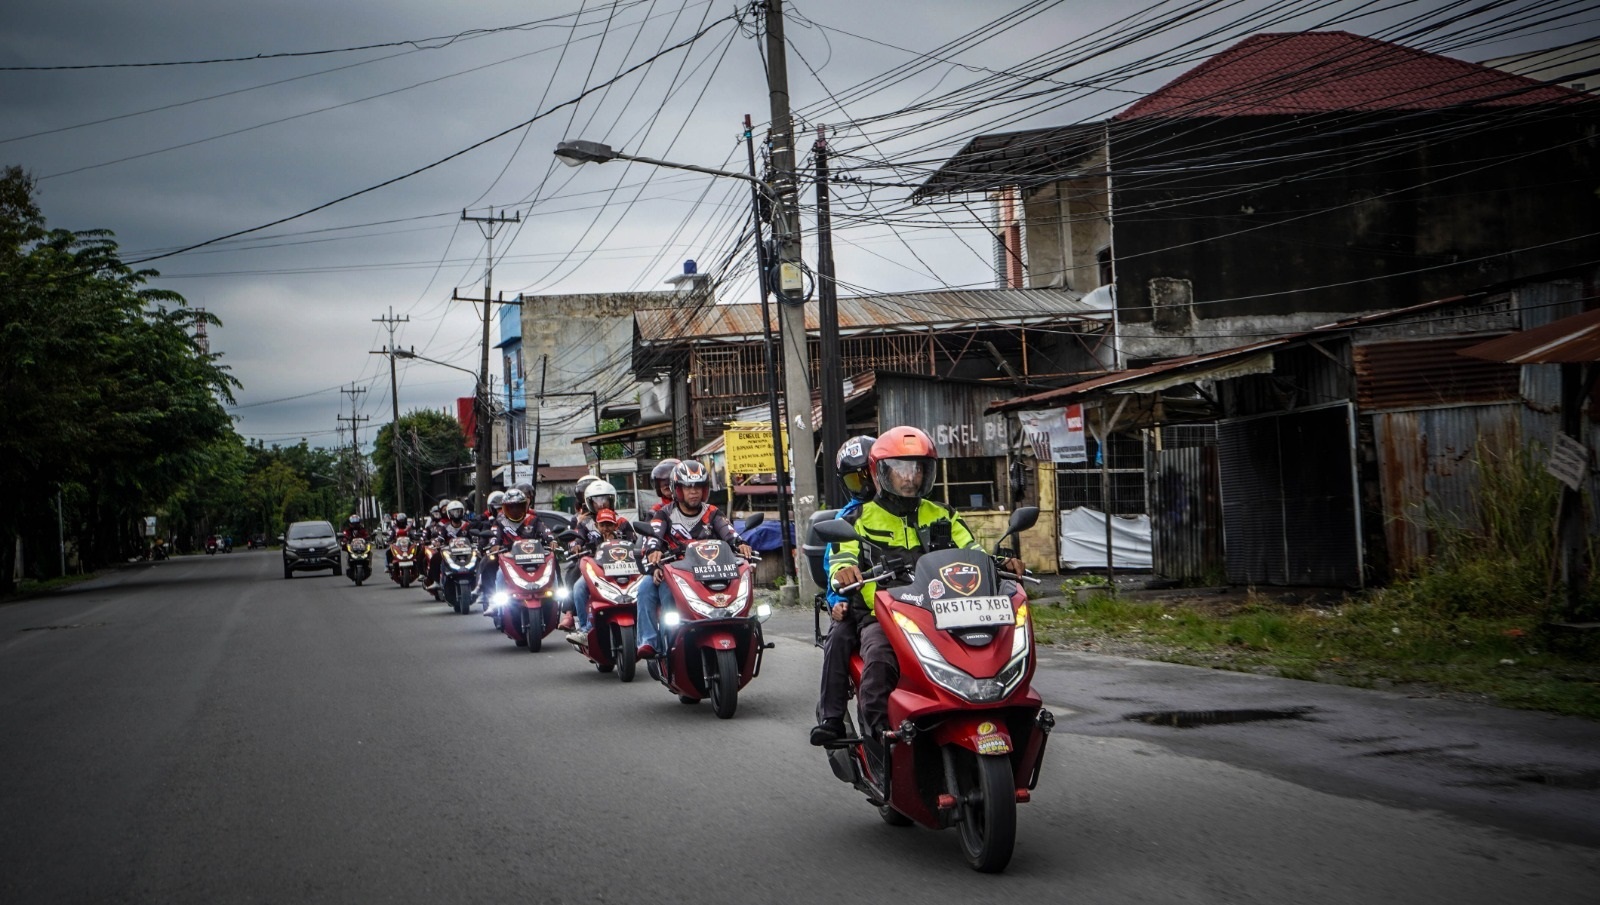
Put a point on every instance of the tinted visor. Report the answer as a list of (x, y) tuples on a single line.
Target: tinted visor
[(515, 511), (854, 481)]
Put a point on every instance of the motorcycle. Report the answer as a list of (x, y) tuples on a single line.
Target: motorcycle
[(967, 731), (211, 546), (530, 594), (458, 574), (402, 562), (358, 560), (711, 635), (612, 574)]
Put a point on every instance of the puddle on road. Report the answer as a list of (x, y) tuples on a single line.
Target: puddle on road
[(1192, 719), (1587, 781)]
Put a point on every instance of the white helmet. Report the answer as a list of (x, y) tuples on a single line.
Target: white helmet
[(495, 498), (599, 495), (455, 510)]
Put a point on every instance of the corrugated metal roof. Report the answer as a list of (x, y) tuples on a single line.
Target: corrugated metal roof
[(1426, 373), (1336, 71), (1023, 158), (1574, 339), (889, 313)]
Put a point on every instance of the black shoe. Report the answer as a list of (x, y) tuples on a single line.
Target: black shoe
[(830, 730)]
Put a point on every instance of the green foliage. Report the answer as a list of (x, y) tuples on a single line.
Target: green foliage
[(429, 440)]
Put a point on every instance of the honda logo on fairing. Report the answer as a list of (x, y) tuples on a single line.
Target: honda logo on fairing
[(962, 577)]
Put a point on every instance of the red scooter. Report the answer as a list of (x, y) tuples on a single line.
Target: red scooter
[(711, 633), (612, 575), (967, 731), (530, 593), (402, 562)]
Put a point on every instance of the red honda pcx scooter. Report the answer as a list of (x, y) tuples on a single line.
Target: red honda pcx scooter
[(402, 561), (710, 626), (967, 732), (530, 593), (612, 574)]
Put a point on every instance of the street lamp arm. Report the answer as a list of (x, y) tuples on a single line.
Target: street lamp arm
[(401, 353), (577, 152)]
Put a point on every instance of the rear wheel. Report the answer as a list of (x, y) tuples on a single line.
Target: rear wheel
[(626, 649), (725, 685), (988, 811), (533, 629)]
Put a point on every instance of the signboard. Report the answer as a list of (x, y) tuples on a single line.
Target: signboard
[(950, 411), (1056, 435), (750, 451), (1569, 461), (149, 526)]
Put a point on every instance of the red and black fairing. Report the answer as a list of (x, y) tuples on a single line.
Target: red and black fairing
[(612, 573), (528, 574), (712, 591)]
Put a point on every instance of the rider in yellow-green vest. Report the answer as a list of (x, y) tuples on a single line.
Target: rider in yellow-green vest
[(904, 464)]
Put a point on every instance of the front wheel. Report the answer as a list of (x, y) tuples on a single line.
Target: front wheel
[(988, 812), (725, 685), (533, 629), (626, 650)]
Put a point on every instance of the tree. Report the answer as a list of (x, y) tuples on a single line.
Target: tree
[(429, 441)]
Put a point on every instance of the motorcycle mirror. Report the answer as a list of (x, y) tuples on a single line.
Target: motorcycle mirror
[(835, 530), (643, 528), (1023, 518), (753, 520)]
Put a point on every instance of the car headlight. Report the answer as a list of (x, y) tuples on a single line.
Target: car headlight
[(958, 681)]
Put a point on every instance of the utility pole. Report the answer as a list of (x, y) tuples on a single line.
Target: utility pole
[(394, 398), (538, 427), (358, 472), (489, 226), (828, 370), (790, 283), (774, 414)]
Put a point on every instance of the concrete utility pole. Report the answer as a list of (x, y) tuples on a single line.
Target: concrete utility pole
[(490, 226), (394, 398), (790, 284)]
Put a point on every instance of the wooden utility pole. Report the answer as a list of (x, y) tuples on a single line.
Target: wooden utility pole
[(828, 369), (359, 472), (394, 399), (489, 226)]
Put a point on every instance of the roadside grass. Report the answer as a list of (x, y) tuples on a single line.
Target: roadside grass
[(28, 587), (1380, 640)]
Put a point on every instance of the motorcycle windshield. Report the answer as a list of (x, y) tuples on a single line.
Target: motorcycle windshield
[(960, 588), (616, 559), (526, 553)]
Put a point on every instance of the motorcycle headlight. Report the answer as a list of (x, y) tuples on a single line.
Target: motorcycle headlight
[(611, 592), (958, 681), (671, 619), (533, 585), (500, 598), (763, 612), (563, 592)]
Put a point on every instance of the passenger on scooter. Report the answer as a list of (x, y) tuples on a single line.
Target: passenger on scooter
[(689, 518), (851, 466), (600, 500), (904, 464), (582, 525), (661, 477), (453, 526)]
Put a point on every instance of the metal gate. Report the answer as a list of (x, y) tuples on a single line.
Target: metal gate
[(1289, 509), (1185, 508)]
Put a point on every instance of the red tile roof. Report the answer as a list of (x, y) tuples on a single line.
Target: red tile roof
[(1335, 71)]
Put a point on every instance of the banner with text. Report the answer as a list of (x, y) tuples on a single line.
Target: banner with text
[(750, 452), (1056, 435)]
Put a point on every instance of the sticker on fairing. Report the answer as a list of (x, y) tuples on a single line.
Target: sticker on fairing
[(935, 589), (993, 744), (962, 577)]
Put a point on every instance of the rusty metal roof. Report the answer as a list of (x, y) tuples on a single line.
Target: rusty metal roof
[(898, 312), (1571, 340)]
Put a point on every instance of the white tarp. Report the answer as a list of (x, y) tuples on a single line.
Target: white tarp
[(1083, 540)]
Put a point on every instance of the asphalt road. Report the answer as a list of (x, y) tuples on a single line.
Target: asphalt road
[(204, 731)]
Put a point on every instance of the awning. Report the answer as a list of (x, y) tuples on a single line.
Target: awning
[(1571, 340), (639, 432)]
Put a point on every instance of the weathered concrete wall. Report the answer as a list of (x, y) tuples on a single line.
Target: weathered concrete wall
[(1067, 221)]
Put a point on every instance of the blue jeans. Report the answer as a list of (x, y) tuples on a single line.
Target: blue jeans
[(649, 600), (580, 603)]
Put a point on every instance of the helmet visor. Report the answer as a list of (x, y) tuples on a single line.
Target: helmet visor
[(906, 478), (597, 503), (515, 511), (855, 482)]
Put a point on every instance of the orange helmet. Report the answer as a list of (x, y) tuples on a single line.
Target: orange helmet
[(904, 464)]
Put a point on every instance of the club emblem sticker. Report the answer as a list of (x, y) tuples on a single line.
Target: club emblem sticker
[(962, 578)]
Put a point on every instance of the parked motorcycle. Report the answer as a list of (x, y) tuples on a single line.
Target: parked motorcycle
[(358, 560), (968, 732), (402, 562), (458, 574), (612, 575), (530, 594), (710, 632)]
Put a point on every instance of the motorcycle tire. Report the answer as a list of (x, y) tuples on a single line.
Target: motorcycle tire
[(988, 826), (359, 581), (685, 699), (626, 651), (405, 581), (892, 816), (725, 685), (335, 570), (533, 630)]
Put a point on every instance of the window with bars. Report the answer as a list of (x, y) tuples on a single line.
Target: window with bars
[(969, 484), (1079, 484)]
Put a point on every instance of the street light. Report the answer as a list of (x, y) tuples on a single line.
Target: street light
[(792, 315), (480, 406)]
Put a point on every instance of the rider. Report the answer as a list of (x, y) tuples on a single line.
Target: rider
[(352, 529), (851, 466), (401, 526), (453, 526), (582, 525), (661, 477), (689, 517), (600, 500), (518, 522), (904, 464)]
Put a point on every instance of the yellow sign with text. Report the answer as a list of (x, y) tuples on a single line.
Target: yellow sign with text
[(750, 452)]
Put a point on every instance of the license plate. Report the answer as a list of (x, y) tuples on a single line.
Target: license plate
[(972, 612), (526, 559), (615, 569)]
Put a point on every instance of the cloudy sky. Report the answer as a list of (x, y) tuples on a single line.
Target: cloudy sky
[(412, 111)]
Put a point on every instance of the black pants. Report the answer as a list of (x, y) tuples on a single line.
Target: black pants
[(879, 672)]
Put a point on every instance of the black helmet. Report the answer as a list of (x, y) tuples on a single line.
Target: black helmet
[(851, 464), (662, 474), (689, 473)]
